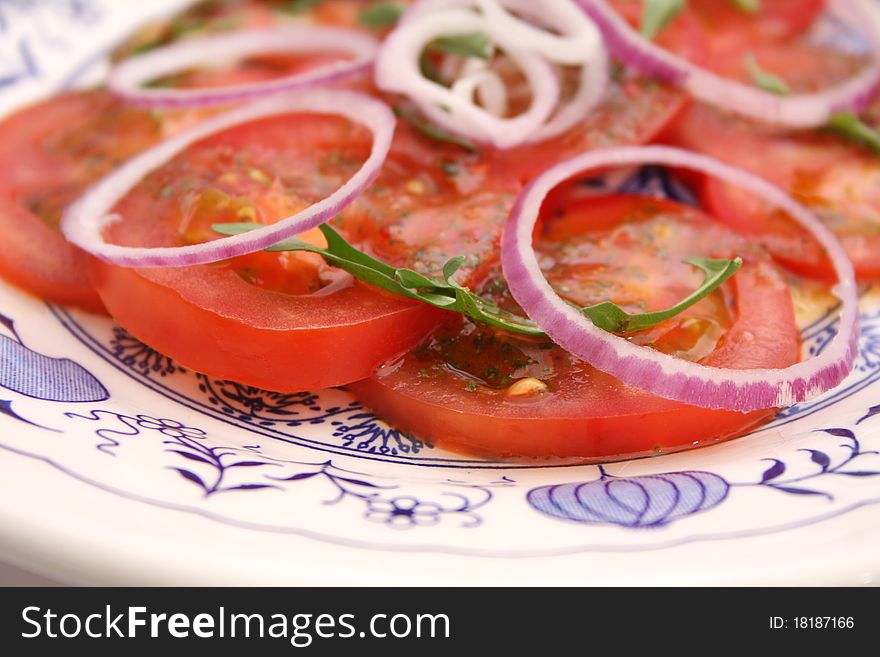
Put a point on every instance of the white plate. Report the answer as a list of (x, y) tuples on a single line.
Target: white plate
[(120, 467)]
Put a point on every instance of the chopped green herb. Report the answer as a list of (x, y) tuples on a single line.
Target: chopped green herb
[(850, 126), (657, 14), (450, 168), (185, 25), (380, 16), (429, 70), (298, 6), (474, 44), (432, 131), (166, 82), (448, 294), (764, 79), (748, 6)]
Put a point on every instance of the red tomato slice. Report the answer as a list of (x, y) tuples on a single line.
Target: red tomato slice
[(52, 151), (252, 319), (48, 154), (459, 389), (433, 201), (835, 178), (734, 30), (634, 110), (206, 17)]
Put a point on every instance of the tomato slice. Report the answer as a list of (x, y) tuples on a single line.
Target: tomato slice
[(49, 153), (468, 387), (433, 201), (633, 111), (52, 151), (253, 319), (837, 179), (735, 30), (205, 17)]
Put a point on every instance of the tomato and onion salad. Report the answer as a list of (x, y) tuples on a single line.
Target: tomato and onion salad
[(417, 200), (261, 319), (494, 392), (811, 109), (54, 150)]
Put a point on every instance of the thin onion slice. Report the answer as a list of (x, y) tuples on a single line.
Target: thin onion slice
[(570, 39), (398, 70), (85, 219), (592, 83), (127, 78), (477, 78), (654, 371), (577, 42), (809, 110)]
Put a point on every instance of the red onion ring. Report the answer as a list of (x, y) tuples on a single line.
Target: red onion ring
[(84, 219), (810, 110), (127, 77), (656, 372)]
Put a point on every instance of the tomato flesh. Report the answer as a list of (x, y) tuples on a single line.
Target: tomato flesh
[(735, 30), (837, 179), (52, 151), (215, 319), (49, 153), (633, 111), (457, 389)]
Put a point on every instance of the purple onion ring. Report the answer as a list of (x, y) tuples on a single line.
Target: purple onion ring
[(85, 219), (127, 78), (654, 371)]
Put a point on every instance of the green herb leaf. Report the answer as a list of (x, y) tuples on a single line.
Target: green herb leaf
[(850, 126), (298, 6), (426, 66), (474, 44), (764, 79), (432, 131), (448, 294), (656, 15), (612, 318), (413, 279), (748, 6), (380, 16)]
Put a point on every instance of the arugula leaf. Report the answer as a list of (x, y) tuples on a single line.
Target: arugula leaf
[(448, 294), (748, 6), (844, 124), (380, 16), (432, 131), (612, 318), (850, 126), (656, 15), (764, 79), (474, 44)]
